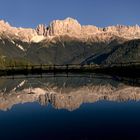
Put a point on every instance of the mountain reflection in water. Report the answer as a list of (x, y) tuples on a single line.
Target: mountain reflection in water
[(64, 92)]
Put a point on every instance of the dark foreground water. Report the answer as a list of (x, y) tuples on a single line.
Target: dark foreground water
[(101, 120), (105, 111)]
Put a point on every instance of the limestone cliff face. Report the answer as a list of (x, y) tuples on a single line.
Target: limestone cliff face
[(68, 26), (90, 30), (72, 27)]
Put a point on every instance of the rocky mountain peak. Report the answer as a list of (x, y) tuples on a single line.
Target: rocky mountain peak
[(24, 34), (4, 24), (67, 26)]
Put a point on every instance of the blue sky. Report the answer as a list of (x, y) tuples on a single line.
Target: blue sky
[(29, 13)]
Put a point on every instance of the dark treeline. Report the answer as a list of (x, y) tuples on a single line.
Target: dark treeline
[(131, 69)]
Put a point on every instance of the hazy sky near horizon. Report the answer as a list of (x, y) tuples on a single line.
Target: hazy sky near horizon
[(30, 13)]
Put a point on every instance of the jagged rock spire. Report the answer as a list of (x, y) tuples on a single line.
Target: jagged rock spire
[(41, 29)]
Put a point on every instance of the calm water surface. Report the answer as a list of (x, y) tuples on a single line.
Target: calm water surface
[(69, 108)]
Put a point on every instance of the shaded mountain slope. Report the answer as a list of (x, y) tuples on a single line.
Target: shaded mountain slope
[(128, 51)]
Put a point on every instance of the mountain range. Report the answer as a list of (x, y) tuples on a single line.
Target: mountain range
[(68, 42)]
